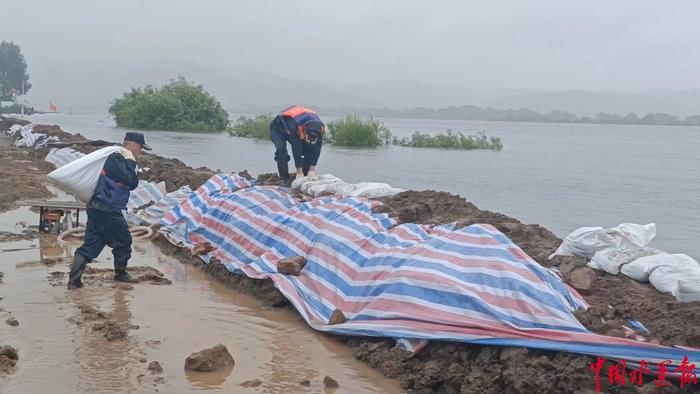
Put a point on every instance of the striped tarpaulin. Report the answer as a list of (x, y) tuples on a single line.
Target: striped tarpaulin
[(63, 156), (154, 213), (409, 281), (145, 193)]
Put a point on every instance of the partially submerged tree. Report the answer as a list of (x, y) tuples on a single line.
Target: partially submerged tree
[(176, 106), (353, 131), (14, 79)]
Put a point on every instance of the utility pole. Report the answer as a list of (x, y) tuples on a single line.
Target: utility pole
[(21, 105)]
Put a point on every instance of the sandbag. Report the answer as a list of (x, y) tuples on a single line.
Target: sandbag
[(641, 268), (380, 192), (328, 184), (667, 279), (688, 290), (362, 188), (317, 183), (80, 176), (586, 241), (611, 260)]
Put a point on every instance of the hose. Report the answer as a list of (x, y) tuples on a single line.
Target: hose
[(137, 233)]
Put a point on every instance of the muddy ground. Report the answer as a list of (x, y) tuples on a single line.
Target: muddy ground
[(450, 367)]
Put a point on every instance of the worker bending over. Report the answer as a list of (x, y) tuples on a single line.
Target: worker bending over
[(304, 130)]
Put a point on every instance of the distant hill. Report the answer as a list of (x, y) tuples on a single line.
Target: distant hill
[(588, 103), (92, 84)]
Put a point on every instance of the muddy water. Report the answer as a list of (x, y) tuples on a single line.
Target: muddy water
[(60, 352)]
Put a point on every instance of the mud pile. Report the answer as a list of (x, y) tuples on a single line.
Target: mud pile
[(456, 367), (22, 176)]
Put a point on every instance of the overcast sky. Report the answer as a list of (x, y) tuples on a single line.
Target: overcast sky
[(545, 45)]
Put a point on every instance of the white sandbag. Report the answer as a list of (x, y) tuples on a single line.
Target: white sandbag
[(641, 268), (611, 260), (301, 180), (666, 279), (317, 183), (688, 290), (586, 241), (364, 187), (326, 189), (80, 176), (381, 192)]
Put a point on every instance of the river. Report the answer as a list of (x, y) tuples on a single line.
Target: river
[(561, 176)]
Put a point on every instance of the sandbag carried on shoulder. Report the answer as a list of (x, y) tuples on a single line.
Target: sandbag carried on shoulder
[(80, 176)]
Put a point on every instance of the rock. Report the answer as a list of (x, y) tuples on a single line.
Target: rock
[(337, 317), (112, 330), (142, 360), (9, 352), (202, 248), (305, 383), (291, 265), (12, 321), (155, 367), (582, 279), (209, 360), (330, 383), (252, 383), (567, 266)]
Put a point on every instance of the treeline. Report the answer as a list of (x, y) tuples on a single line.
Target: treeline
[(470, 112), (15, 108)]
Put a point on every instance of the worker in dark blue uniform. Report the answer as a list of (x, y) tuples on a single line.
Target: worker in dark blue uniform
[(106, 224), (304, 130)]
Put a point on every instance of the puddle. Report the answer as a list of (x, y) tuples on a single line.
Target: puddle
[(60, 351)]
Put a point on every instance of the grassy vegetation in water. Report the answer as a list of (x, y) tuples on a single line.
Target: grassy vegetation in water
[(353, 131), (451, 140), (176, 106), (258, 127)]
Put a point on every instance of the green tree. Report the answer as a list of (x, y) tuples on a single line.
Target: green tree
[(353, 131), (13, 72), (258, 127), (176, 106)]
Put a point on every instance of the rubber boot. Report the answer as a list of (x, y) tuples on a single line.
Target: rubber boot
[(120, 274), (76, 272), (283, 171)]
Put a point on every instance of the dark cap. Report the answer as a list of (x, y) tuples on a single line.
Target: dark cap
[(314, 127), (138, 138)]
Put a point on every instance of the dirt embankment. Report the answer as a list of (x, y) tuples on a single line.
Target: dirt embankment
[(454, 367)]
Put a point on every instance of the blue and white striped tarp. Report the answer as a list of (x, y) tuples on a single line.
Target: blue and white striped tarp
[(62, 156), (409, 281)]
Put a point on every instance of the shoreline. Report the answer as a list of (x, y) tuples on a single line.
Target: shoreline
[(455, 367)]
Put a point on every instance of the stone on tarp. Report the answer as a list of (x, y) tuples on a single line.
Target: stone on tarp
[(337, 317), (291, 265), (202, 248)]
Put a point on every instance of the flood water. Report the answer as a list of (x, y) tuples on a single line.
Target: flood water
[(562, 176), (195, 312)]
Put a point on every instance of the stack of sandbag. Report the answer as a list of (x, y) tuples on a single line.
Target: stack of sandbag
[(677, 274), (587, 241), (625, 249), (330, 185), (25, 137)]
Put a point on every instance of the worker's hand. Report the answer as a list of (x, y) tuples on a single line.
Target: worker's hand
[(127, 154)]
